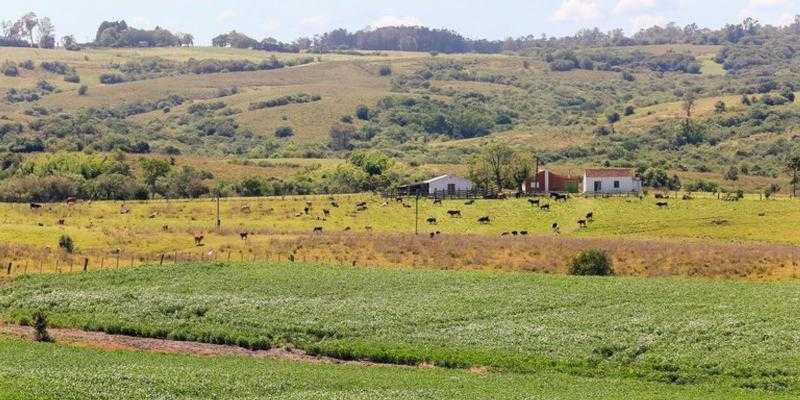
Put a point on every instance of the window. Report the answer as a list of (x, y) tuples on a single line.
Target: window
[(616, 184), (451, 188), (598, 186)]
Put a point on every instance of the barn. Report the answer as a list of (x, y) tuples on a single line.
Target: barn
[(546, 181), (444, 185), (610, 181)]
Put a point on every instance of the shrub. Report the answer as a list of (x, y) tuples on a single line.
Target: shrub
[(45, 86), (111, 78), (9, 69), (40, 327), (385, 70), (57, 67), (83, 90), (284, 131), (362, 113), (347, 119), (591, 262), (72, 78), (27, 64), (65, 243), (629, 110)]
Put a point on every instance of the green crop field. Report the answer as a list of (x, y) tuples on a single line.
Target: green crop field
[(55, 371), (732, 335)]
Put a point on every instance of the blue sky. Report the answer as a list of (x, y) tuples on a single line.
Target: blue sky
[(496, 19)]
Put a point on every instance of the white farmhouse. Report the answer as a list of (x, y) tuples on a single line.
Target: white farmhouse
[(441, 185), (610, 181)]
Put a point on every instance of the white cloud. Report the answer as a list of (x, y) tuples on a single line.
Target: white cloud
[(391, 20), (227, 15), (645, 21), (577, 11), (631, 6)]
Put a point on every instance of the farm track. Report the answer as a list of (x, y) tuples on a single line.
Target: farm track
[(107, 341)]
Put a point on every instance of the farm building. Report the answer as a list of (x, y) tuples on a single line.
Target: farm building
[(610, 181), (448, 185), (546, 181)]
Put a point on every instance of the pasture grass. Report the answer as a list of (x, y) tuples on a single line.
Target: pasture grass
[(725, 333), (56, 371)]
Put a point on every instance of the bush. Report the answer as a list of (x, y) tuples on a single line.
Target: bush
[(40, 327), (27, 64), (83, 90), (284, 131), (362, 113), (385, 70), (629, 110), (65, 243), (111, 78), (591, 262), (72, 78), (347, 119), (57, 67), (9, 69)]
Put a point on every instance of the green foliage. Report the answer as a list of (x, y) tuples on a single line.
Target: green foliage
[(591, 262), (83, 90), (65, 243), (9, 69), (362, 113), (111, 78), (40, 327), (298, 98), (341, 137), (284, 131)]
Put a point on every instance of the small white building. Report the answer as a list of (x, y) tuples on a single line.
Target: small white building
[(610, 181), (443, 185)]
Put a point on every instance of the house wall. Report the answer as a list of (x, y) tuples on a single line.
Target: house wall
[(440, 185), (627, 184)]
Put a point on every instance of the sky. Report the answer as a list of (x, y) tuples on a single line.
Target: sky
[(494, 19)]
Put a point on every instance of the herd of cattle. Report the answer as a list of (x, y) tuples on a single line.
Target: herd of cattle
[(540, 203)]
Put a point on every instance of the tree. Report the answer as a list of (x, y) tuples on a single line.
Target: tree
[(340, 137), (29, 21), (521, 167), (70, 43), (689, 101), (46, 31), (492, 164), (793, 168), (612, 119), (732, 174), (152, 170)]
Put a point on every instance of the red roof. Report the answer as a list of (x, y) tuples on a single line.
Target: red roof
[(609, 172)]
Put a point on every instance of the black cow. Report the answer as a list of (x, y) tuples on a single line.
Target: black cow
[(484, 220), (454, 213)]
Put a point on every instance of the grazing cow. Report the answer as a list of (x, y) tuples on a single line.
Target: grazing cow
[(60, 222), (35, 206), (298, 215), (165, 228), (433, 234), (469, 202), (558, 197), (534, 202), (398, 199), (326, 212), (504, 234), (361, 204), (406, 205), (687, 196), (484, 220), (124, 209), (346, 228), (198, 240), (438, 232), (245, 208), (582, 223), (515, 233), (662, 204), (243, 235), (368, 228), (306, 210), (454, 213), (661, 196), (437, 201), (385, 204), (556, 229), (523, 233), (590, 216), (545, 207), (153, 215), (71, 201), (431, 221), (334, 204), (361, 208), (317, 229)]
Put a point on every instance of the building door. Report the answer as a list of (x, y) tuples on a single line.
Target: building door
[(598, 186), (451, 189)]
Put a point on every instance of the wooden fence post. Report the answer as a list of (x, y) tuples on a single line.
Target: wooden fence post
[(8, 269), (162, 259), (85, 264)]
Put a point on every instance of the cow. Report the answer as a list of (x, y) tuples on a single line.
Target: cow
[(334, 204), (165, 228), (60, 222), (582, 223), (368, 228), (504, 234), (515, 233), (306, 210), (534, 202), (484, 220), (662, 204), (361, 208), (545, 207), (35, 206), (71, 201), (556, 229), (431, 221), (523, 233), (124, 209), (454, 213), (590, 216), (198, 240), (317, 229), (558, 197), (245, 208), (153, 215), (346, 228), (469, 202), (326, 212), (437, 202), (361, 204), (661, 196), (243, 235)]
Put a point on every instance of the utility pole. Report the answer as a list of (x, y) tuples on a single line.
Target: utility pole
[(219, 221)]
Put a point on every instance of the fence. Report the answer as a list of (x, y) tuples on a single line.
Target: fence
[(444, 194)]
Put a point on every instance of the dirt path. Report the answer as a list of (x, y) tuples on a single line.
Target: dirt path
[(122, 342)]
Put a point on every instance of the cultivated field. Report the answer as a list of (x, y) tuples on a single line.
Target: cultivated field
[(732, 335)]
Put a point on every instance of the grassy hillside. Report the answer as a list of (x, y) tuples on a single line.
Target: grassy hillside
[(34, 371), (727, 334)]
